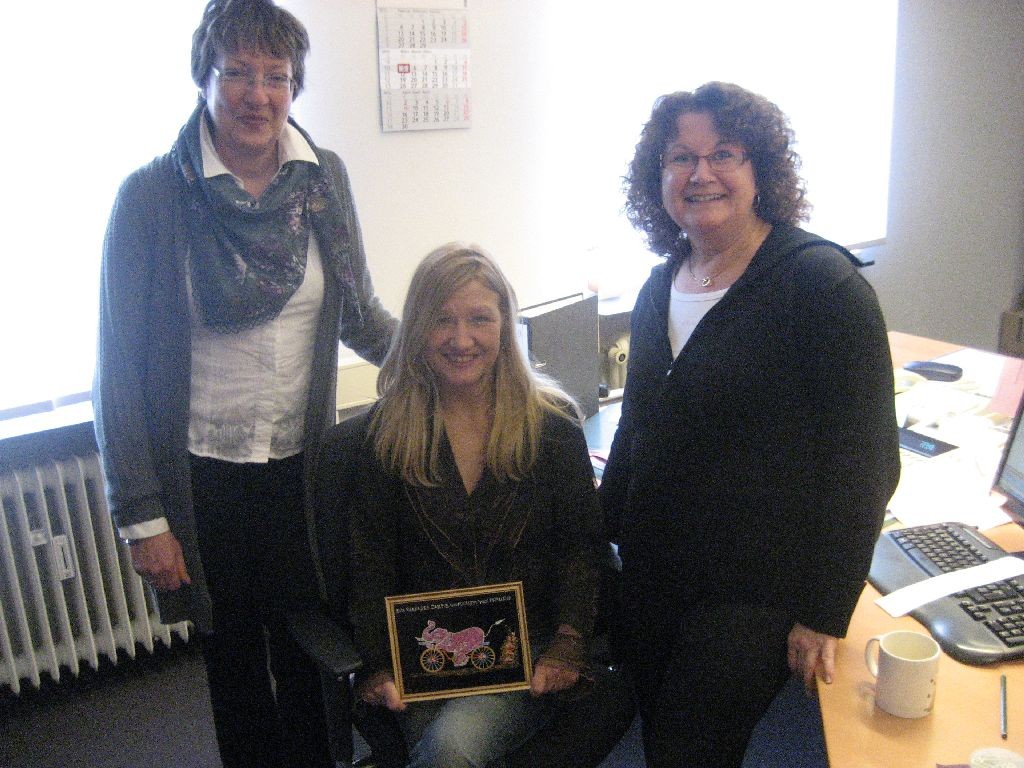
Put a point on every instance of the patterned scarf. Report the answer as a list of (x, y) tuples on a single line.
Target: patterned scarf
[(248, 255)]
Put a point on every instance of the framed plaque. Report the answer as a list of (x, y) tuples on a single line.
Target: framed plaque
[(459, 642)]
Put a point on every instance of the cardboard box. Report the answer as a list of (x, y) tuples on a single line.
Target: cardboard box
[(1011, 333)]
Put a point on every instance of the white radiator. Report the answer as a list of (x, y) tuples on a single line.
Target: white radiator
[(68, 594)]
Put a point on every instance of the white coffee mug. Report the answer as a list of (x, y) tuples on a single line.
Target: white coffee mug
[(904, 672)]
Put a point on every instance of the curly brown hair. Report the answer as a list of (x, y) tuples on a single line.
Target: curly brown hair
[(738, 115)]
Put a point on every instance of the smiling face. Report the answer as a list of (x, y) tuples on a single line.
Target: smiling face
[(247, 119), (464, 341), (701, 201)]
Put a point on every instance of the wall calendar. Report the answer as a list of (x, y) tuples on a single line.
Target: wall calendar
[(424, 64)]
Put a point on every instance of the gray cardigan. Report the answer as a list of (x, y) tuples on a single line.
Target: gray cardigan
[(143, 368)]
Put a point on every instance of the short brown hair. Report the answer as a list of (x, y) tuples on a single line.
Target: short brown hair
[(231, 26)]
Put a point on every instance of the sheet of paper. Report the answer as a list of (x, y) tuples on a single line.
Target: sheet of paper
[(904, 600), (953, 486), (936, 491), (931, 403)]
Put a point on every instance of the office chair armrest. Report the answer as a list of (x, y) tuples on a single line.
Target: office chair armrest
[(326, 642)]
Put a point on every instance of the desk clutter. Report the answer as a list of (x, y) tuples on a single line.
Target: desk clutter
[(945, 496), (955, 415), (974, 414), (977, 624)]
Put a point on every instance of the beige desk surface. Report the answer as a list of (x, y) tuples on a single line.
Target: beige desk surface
[(966, 714)]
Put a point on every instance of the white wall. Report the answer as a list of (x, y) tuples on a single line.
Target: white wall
[(417, 190), (955, 253)]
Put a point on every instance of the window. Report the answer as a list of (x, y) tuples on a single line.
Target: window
[(828, 66), (97, 99)]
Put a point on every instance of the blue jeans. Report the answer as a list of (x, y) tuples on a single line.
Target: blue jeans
[(470, 731)]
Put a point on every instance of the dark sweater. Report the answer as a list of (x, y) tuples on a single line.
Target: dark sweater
[(544, 531), (756, 466)]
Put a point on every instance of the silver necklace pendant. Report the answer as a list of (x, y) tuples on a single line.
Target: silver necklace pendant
[(703, 282)]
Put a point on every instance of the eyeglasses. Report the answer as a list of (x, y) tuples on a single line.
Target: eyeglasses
[(720, 161), (239, 78)]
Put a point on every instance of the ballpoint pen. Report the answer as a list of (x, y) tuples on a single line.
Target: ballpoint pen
[(1002, 706)]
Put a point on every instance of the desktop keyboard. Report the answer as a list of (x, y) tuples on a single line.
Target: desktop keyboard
[(983, 625)]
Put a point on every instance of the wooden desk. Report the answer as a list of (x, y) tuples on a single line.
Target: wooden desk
[(966, 714)]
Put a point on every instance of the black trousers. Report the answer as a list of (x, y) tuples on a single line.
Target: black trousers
[(266, 694), (704, 683)]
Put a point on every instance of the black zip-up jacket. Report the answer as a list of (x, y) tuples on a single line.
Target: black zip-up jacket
[(756, 466)]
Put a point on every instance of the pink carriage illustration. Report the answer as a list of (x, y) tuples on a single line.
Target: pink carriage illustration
[(467, 646)]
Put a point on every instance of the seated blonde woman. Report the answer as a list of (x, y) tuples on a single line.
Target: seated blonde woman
[(475, 472)]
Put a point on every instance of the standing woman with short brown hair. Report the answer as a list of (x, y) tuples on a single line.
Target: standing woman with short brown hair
[(231, 267)]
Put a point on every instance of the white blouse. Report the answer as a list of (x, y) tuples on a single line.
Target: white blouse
[(250, 388)]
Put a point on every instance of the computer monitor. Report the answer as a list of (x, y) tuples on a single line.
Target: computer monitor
[(1010, 477)]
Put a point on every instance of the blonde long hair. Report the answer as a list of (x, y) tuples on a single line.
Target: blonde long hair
[(407, 425)]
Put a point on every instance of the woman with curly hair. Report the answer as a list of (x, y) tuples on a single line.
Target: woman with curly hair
[(757, 446)]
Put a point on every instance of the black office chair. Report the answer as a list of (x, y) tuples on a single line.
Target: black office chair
[(582, 733)]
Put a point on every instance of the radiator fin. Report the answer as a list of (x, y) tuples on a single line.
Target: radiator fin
[(69, 595)]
